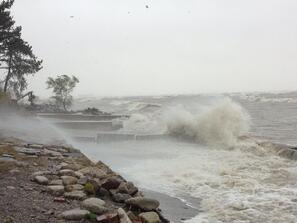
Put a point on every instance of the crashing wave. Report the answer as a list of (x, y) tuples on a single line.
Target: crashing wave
[(219, 124)]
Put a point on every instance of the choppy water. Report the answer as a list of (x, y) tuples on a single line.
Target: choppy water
[(237, 180)]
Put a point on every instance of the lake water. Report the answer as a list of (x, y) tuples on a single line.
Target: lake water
[(212, 154)]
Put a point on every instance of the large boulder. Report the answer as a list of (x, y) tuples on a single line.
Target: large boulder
[(68, 180), (150, 217), (75, 214), (94, 205), (146, 204)]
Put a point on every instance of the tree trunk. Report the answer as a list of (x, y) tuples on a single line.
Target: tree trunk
[(8, 76)]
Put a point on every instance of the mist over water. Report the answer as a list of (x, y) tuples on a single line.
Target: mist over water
[(26, 127)]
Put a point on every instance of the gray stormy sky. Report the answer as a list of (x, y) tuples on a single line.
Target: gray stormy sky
[(118, 47)]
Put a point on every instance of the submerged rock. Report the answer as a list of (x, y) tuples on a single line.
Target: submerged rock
[(75, 214), (95, 205), (143, 203)]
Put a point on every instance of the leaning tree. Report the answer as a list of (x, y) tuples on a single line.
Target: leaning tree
[(17, 59)]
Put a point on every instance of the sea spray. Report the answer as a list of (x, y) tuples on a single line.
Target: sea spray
[(219, 124)]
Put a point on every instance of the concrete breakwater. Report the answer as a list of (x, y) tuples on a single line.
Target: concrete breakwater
[(69, 116), (96, 128)]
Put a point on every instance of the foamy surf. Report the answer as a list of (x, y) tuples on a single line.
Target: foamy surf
[(234, 186)]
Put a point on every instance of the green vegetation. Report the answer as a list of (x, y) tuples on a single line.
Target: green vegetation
[(89, 188), (62, 87)]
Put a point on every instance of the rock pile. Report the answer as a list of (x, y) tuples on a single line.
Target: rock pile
[(103, 196)]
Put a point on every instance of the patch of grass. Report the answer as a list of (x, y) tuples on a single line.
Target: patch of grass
[(89, 188)]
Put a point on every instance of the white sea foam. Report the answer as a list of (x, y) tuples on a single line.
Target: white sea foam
[(220, 124), (247, 184), (143, 124)]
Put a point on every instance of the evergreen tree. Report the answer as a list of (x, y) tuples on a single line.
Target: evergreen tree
[(16, 56)]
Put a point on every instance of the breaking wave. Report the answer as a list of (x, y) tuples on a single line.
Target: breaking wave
[(220, 124)]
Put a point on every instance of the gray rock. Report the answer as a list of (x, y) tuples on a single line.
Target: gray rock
[(36, 146), (72, 166), (74, 187), (143, 203), (67, 172), (68, 180), (123, 216), (128, 188), (14, 171), (101, 192), (83, 180), (120, 198), (41, 173), (56, 190), (51, 153), (7, 159), (28, 151), (93, 172), (56, 182), (95, 205), (132, 216), (78, 174), (75, 214), (111, 183), (150, 217), (76, 194), (41, 180), (7, 155)]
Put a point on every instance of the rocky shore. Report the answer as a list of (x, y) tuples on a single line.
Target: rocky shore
[(53, 183)]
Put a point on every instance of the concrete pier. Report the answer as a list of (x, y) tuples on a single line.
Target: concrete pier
[(90, 125), (82, 117), (111, 136)]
